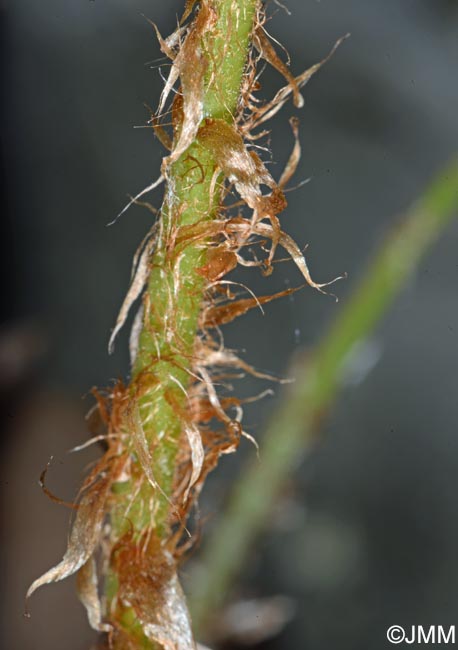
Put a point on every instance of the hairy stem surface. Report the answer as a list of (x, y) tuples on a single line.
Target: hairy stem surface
[(172, 302)]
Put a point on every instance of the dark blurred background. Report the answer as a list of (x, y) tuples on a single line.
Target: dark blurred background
[(365, 535)]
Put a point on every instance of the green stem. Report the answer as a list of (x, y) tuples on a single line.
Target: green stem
[(175, 288), (290, 431)]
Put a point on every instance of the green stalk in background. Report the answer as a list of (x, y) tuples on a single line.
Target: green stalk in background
[(291, 430), (133, 506)]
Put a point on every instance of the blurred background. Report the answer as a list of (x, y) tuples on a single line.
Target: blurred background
[(366, 532)]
